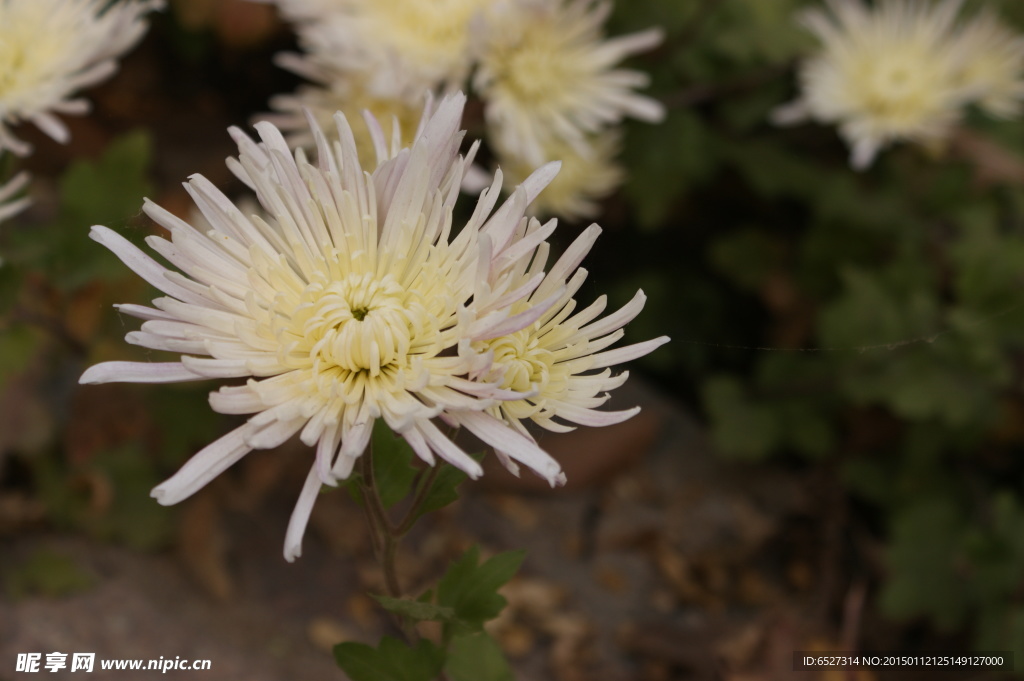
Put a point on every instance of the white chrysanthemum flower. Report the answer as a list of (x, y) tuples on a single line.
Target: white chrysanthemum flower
[(50, 49), (399, 112), (427, 43), (350, 304), (583, 180), (546, 73), (306, 10), (556, 360), (992, 65), (13, 186), (885, 74)]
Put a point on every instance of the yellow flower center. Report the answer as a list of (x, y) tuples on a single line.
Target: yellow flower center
[(539, 68), (900, 88), (432, 32), (892, 89), (31, 47), (363, 324), (527, 366)]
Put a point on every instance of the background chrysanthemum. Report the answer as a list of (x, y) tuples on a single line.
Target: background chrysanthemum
[(547, 73), (9, 206), (584, 178), (423, 42), (547, 78), (884, 74), (330, 92), (349, 305), (992, 65), (50, 49)]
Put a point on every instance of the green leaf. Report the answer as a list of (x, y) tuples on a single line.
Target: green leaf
[(477, 657), (444, 488), (754, 31), (472, 590), (420, 610), (393, 471), (105, 191), (392, 660), (110, 188), (872, 312), (666, 161)]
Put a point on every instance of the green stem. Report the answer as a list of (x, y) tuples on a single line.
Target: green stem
[(388, 562), (376, 531), (423, 485), (385, 539)]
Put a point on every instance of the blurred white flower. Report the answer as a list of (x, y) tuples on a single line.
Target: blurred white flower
[(547, 73), (13, 186), (583, 180), (885, 74), (50, 49), (332, 91), (992, 65), (306, 10), (546, 76), (356, 300), (423, 43)]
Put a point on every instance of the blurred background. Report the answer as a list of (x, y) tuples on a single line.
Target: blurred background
[(828, 457)]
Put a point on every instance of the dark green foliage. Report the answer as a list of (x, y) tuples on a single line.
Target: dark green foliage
[(679, 150), (923, 563), (393, 470), (476, 657), (875, 318), (186, 419), (392, 660), (105, 191), (871, 323), (471, 589), (418, 611), (444, 488), (392, 464), (466, 597), (108, 498), (396, 475), (953, 568)]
